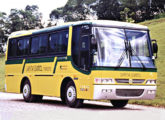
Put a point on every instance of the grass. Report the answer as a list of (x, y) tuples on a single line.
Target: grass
[(2, 72), (157, 31)]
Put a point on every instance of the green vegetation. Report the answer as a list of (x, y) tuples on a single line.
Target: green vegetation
[(19, 19), (74, 10), (121, 10), (157, 30), (2, 72)]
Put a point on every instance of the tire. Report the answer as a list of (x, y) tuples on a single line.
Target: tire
[(119, 103), (63, 100), (71, 96), (28, 97), (38, 98)]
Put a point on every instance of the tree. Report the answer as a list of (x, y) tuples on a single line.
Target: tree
[(126, 15), (107, 9), (32, 17), (15, 22), (74, 10), (29, 18), (144, 9), (3, 36)]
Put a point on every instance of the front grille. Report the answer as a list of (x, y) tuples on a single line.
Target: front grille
[(129, 92), (138, 80), (122, 80)]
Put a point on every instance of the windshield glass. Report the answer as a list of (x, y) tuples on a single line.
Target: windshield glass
[(121, 48), (140, 49)]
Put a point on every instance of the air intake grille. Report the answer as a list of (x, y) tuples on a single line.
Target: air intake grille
[(129, 92), (136, 81), (122, 80)]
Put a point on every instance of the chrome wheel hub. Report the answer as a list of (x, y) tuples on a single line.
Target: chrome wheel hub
[(71, 94), (26, 90)]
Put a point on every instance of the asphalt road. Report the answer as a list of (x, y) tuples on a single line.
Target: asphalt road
[(12, 107)]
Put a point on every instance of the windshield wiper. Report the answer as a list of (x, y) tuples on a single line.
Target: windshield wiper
[(125, 53), (130, 49), (121, 59)]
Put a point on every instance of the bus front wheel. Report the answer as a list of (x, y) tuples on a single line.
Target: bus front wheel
[(28, 97), (119, 103), (71, 96)]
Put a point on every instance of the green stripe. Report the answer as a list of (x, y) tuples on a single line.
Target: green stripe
[(55, 67), (60, 59), (69, 58), (14, 61), (78, 69), (40, 60), (23, 67), (126, 69)]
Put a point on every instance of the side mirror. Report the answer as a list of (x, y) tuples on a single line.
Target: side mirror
[(155, 47)]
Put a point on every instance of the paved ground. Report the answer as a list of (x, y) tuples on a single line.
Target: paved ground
[(12, 107)]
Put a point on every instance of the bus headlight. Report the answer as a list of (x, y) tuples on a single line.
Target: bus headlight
[(151, 82), (104, 81)]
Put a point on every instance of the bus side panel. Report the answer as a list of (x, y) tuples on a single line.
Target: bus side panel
[(40, 73), (13, 77), (82, 81), (43, 85)]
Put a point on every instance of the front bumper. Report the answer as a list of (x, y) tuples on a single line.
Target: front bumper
[(111, 92)]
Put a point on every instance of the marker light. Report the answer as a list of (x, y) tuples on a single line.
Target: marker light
[(104, 81), (151, 91), (151, 82)]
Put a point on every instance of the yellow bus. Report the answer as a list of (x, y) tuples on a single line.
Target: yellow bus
[(85, 60)]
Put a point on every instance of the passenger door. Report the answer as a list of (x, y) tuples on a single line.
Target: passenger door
[(84, 58)]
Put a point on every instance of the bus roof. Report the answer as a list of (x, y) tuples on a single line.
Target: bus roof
[(105, 23)]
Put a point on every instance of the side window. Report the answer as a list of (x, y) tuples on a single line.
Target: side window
[(26, 46), (53, 42), (23, 47), (39, 44), (12, 49), (35, 45), (43, 42), (62, 42), (58, 42)]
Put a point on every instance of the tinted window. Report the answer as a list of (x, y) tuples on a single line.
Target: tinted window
[(43, 42), (39, 44), (35, 45), (75, 45), (81, 47), (84, 43), (23, 47), (58, 42), (53, 42), (62, 42), (12, 50)]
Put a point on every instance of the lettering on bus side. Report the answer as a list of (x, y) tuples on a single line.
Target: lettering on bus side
[(34, 68), (37, 68), (130, 75)]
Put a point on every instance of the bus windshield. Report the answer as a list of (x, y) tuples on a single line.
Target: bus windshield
[(121, 48)]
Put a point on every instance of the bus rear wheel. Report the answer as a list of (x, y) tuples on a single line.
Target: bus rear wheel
[(28, 97), (119, 103), (71, 96)]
